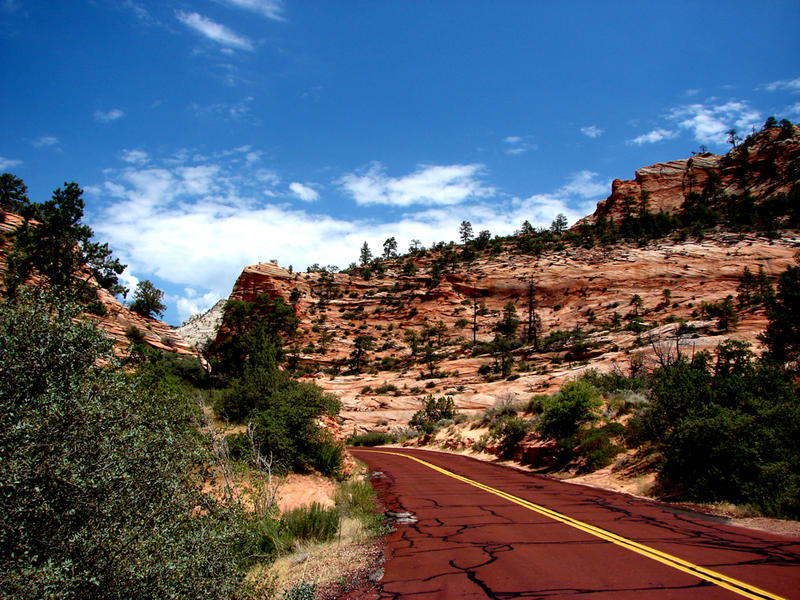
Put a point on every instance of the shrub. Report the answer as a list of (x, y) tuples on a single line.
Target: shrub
[(329, 459), (100, 472), (573, 406), (356, 498), (371, 438), (433, 411), (305, 590), (386, 388), (313, 523), (510, 431), (596, 447)]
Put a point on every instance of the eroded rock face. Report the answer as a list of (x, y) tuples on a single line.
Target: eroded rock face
[(770, 161), (200, 330), (573, 288)]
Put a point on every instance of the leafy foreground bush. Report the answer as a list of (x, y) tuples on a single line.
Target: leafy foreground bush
[(99, 496), (283, 412), (728, 431)]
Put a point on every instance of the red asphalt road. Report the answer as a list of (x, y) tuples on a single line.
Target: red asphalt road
[(468, 543)]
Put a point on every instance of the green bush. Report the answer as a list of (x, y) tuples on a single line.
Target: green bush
[(313, 523), (434, 410), (596, 447), (100, 470), (329, 459), (305, 590), (356, 498), (510, 431), (573, 406)]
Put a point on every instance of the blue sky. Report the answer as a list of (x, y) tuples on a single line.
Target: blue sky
[(213, 134)]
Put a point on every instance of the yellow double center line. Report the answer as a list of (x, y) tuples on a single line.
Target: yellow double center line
[(729, 583)]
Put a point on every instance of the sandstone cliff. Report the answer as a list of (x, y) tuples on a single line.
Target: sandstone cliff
[(585, 295), (766, 164)]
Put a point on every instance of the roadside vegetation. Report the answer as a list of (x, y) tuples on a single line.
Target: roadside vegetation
[(718, 427), (109, 459)]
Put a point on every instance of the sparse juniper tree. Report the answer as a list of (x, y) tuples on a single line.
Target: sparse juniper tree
[(510, 321), (770, 123), (527, 228), (415, 246), (13, 193), (465, 231), (534, 321), (366, 255), (430, 359), (733, 139), (637, 303), (782, 336), (390, 248), (147, 300), (358, 355), (559, 224), (411, 338)]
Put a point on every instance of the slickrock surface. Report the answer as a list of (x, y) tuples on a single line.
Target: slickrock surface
[(573, 288), (199, 330)]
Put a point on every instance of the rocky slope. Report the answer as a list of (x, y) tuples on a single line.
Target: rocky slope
[(199, 330), (574, 289), (587, 294), (119, 322), (766, 164)]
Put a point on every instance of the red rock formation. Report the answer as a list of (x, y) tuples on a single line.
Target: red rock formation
[(769, 157)]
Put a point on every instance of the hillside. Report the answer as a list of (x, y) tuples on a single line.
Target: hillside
[(118, 322), (384, 335)]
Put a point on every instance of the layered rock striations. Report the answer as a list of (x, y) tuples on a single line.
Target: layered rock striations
[(586, 295), (765, 165)]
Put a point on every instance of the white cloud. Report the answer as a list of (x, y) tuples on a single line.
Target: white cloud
[(516, 145), (709, 122), (795, 109), (107, 116), (8, 163), (434, 185), (272, 9), (791, 85), (192, 302), (195, 222), (215, 32), (654, 136), (585, 184), (135, 157), (45, 141), (592, 131), (303, 191), (235, 111)]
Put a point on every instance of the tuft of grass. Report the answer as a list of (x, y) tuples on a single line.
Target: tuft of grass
[(313, 523), (371, 438)]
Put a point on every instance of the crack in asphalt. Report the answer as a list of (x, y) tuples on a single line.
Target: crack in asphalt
[(455, 535)]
